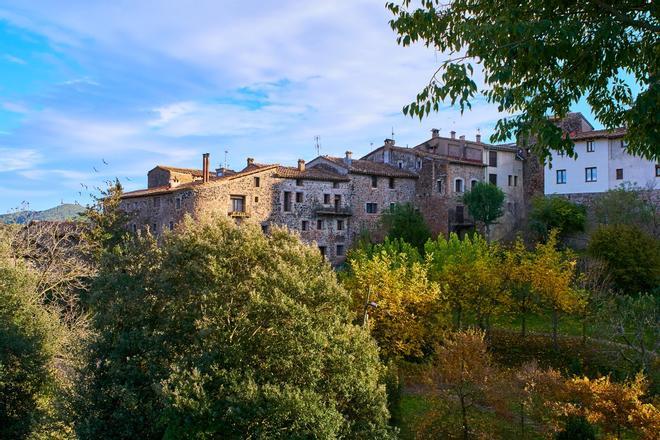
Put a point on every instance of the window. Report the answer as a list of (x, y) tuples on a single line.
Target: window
[(492, 158), (624, 144), (391, 182), (561, 176), (287, 201), (134, 227), (156, 202), (515, 180), (171, 226), (590, 174), (177, 203), (458, 185), (372, 208), (392, 205), (264, 228), (473, 183), (319, 224), (400, 164), (257, 182), (305, 225), (657, 170), (154, 228), (374, 181), (419, 163), (326, 199), (492, 178), (335, 185), (322, 250), (256, 199), (510, 179), (299, 197), (460, 214), (439, 185), (340, 225), (590, 146), (619, 174), (299, 182), (237, 203), (340, 250)]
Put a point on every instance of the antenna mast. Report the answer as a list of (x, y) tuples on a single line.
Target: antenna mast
[(317, 139), (226, 152)]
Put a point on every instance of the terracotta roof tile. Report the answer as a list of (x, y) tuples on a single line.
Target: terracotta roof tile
[(192, 171), (313, 173), (361, 166), (595, 134)]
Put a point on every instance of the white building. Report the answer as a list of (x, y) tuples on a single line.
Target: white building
[(602, 163)]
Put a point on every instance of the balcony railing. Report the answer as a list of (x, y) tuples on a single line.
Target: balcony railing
[(342, 211), (242, 214)]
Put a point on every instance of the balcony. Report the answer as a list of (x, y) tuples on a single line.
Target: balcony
[(238, 214), (337, 211)]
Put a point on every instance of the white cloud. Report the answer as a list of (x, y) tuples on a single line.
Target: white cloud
[(14, 160), (14, 59), (15, 107)]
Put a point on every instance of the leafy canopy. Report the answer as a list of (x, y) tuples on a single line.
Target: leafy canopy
[(222, 331), (556, 213), (539, 58), (484, 202), (405, 222)]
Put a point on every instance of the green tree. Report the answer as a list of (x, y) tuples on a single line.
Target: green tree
[(556, 213), (518, 282), (627, 205), (29, 340), (405, 222), (577, 428), (631, 255), (537, 58), (222, 331), (484, 202)]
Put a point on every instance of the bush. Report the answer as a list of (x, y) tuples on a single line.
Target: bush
[(556, 213), (631, 255), (405, 222), (577, 428), (224, 332)]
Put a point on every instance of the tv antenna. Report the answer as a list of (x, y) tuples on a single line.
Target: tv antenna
[(392, 132), (317, 140), (226, 152)]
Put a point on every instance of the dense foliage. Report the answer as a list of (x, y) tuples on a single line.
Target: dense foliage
[(628, 205), (556, 213), (540, 58), (632, 256), (484, 202), (223, 331), (405, 222)]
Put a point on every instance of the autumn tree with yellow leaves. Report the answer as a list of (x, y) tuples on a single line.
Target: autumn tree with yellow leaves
[(390, 282)]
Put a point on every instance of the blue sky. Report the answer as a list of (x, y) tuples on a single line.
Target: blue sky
[(135, 84)]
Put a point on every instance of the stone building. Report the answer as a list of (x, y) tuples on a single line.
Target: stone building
[(331, 200)]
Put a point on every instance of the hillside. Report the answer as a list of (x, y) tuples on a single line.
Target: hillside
[(67, 211)]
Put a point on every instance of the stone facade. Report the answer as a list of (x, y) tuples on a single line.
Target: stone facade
[(330, 200)]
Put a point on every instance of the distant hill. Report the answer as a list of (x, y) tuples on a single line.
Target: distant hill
[(63, 212)]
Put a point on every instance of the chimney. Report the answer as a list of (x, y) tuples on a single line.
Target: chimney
[(453, 134), (349, 157), (220, 171), (389, 142), (462, 137), (250, 161), (478, 138), (435, 133), (205, 167), (301, 164)]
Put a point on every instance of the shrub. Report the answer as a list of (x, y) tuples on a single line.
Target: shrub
[(577, 428), (405, 222), (631, 255), (556, 213)]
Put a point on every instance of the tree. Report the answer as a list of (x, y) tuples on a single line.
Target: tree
[(632, 257), (463, 365), (405, 222), (222, 331), (552, 276), (556, 213), (537, 59), (517, 280), (29, 337), (484, 204), (468, 272), (577, 428), (627, 205), (394, 277)]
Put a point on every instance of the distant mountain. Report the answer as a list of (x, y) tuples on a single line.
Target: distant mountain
[(63, 212)]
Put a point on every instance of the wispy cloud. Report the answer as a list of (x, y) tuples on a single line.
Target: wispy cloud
[(14, 59), (14, 160)]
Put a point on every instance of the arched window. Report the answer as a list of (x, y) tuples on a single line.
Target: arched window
[(458, 185)]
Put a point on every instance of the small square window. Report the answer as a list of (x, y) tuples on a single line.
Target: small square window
[(319, 224), (340, 250), (590, 174), (391, 182), (154, 228), (134, 228), (237, 203), (257, 182), (400, 164), (374, 181), (322, 250), (305, 225), (326, 199), (299, 197), (256, 199), (392, 205), (335, 185), (590, 146), (561, 176), (299, 182), (619, 174), (264, 228), (340, 225), (171, 226), (372, 208)]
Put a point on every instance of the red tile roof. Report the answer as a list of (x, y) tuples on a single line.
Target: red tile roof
[(313, 173), (192, 171), (599, 134), (361, 166)]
